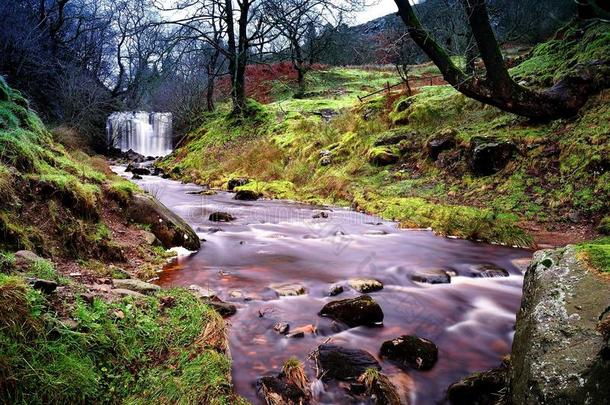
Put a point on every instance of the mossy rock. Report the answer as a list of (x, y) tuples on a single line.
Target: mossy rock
[(411, 352), (383, 156)]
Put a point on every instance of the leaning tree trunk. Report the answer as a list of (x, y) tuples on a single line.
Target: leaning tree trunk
[(564, 99)]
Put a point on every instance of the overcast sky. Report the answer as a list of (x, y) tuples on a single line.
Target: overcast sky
[(383, 7)]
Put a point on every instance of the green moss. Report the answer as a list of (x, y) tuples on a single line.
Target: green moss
[(597, 253), (557, 58), (7, 262), (122, 190), (133, 351), (272, 189)]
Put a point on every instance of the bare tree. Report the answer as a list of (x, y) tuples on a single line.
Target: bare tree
[(497, 88)]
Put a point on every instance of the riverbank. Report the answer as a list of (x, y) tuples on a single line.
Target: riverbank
[(434, 159), (77, 325)]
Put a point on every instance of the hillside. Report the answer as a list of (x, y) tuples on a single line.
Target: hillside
[(75, 325), (435, 159)]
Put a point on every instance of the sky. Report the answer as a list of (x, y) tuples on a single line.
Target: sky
[(381, 8)]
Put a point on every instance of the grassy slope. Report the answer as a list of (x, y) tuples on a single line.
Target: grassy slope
[(166, 348), (561, 166)]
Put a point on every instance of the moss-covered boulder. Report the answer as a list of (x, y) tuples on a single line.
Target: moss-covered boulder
[(445, 140), (557, 354), (168, 227), (479, 388), (383, 156)]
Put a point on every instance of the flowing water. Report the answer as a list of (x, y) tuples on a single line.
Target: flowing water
[(471, 319), (149, 134)]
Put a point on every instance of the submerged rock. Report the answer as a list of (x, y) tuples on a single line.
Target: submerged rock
[(353, 312), (488, 156), (136, 285), (167, 226), (342, 363), (281, 327), (488, 270), (484, 388), (411, 352), (221, 217), (365, 285), (246, 195), (432, 276), (288, 289), (557, 355), (335, 290)]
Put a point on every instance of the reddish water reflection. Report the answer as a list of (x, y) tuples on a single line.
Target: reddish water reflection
[(471, 320)]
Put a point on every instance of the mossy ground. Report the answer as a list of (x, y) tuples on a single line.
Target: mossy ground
[(597, 253), (135, 350), (66, 206), (561, 168)]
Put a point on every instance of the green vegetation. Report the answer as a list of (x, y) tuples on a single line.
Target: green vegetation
[(597, 253), (137, 350), (559, 168), (557, 58)]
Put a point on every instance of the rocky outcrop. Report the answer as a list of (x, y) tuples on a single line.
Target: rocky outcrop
[(168, 227), (558, 349), (353, 312), (411, 352), (343, 363)]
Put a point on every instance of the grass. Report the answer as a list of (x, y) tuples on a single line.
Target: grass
[(597, 253), (131, 351)]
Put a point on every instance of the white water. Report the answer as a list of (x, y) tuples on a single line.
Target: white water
[(149, 134)]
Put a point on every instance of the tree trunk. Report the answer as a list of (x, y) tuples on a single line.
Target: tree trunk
[(564, 99)]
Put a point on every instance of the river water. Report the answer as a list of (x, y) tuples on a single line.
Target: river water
[(471, 320)]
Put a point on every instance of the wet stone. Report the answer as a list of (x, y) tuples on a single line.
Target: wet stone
[(281, 327), (221, 217), (433, 276), (411, 352), (487, 270), (353, 312), (335, 290), (342, 363), (288, 289), (365, 285)]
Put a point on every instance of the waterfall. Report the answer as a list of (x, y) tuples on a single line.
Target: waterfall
[(149, 134)]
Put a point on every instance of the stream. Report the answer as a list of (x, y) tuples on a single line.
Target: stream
[(471, 320)]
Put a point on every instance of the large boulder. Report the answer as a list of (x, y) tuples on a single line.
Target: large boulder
[(25, 258), (353, 312), (411, 352), (488, 156), (168, 227), (558, 348), (342, 363)]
